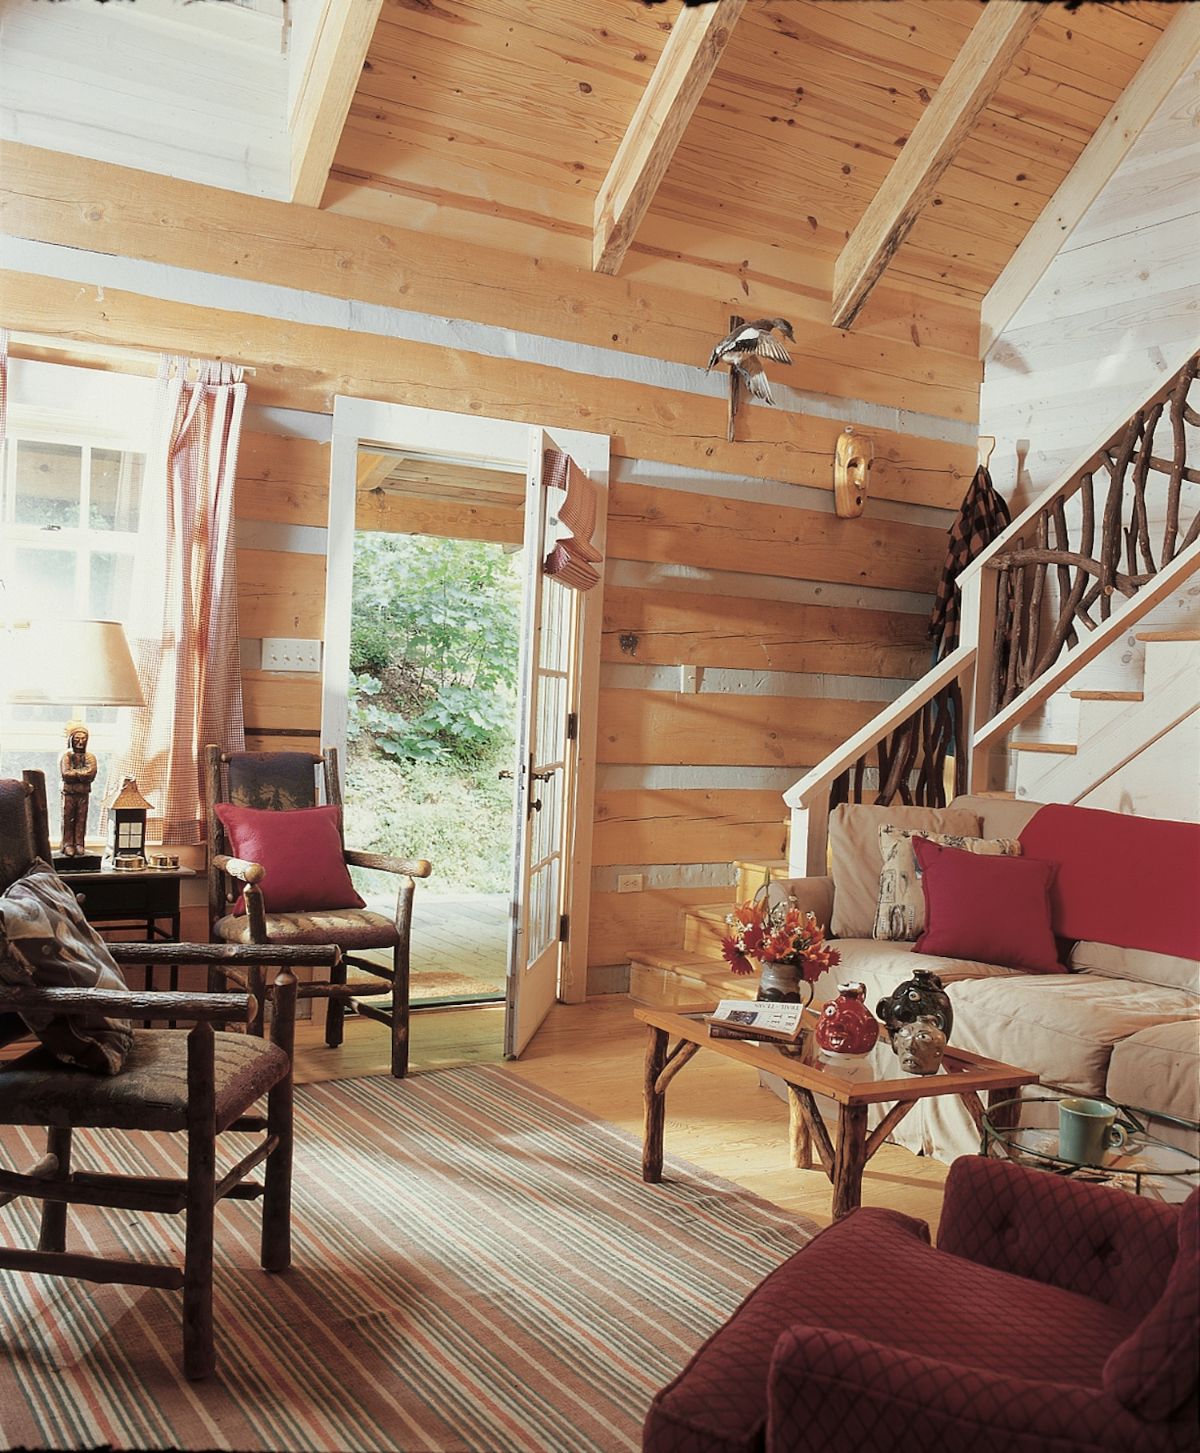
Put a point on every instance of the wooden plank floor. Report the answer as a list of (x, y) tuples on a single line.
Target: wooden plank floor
[(591, 1054)]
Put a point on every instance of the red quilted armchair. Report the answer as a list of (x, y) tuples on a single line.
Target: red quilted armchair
[(1053, 1316)]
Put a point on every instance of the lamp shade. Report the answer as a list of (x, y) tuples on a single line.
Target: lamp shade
[(85, 663)]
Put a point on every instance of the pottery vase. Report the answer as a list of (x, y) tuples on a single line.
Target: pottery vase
[(921, 995), (919, 1045), (846, 1025), (783, 984)]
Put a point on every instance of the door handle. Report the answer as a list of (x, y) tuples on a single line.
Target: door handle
[(535, 805)]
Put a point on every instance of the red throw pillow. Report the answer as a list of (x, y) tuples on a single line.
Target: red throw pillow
[(301, 852), (992, 910)]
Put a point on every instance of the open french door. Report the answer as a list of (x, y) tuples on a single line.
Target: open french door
[(545, 767)]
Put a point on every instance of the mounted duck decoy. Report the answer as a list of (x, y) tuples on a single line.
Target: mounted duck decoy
[(748, 343)]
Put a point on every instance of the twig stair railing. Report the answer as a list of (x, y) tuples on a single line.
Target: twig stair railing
[(1045, 587), (1052, 584), (911, 760)]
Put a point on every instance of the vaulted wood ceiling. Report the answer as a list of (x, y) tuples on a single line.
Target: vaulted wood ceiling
[(497, 122)]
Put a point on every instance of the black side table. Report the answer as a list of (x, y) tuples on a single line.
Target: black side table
[(146, 900)]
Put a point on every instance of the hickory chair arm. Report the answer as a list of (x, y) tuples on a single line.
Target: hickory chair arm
[(829, 1389), (1098, 1241), (130, 1004), (408, 867)]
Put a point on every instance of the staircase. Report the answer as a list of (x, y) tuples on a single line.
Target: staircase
[(1042, 697)]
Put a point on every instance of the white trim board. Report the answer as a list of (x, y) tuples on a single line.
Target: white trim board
[(296, 305)]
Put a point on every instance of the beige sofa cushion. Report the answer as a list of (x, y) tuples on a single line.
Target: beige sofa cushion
[(856, 861), (1158, 1069), (1062, 1026), (999, 816), (1138, 964)]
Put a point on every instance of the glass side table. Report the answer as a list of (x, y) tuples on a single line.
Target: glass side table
[(1146, 1165)]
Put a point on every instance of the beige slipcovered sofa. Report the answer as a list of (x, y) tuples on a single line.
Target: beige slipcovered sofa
[(1124, 1025)]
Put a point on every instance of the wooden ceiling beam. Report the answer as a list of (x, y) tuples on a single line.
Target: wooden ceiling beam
[(970, 83), (1174, 52), (323, 100), (697, 39)]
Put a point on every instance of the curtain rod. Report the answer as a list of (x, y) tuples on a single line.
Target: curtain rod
[(145, 356)]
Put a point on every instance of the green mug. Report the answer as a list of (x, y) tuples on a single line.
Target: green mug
[(1087, 1129)]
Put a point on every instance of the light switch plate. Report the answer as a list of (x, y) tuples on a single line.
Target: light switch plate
[(281, 653)]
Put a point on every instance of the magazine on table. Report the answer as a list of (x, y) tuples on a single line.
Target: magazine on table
[(756, 1019)]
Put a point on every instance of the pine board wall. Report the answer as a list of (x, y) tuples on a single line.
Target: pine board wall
[(747, 630)]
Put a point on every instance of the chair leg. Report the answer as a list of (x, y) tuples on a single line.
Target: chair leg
[(199, 1357), (276, 1254), (256, 980), (400, 973), (335, 1011), (54, 1213)]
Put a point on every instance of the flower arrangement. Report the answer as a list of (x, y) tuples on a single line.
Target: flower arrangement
[(777, 933)]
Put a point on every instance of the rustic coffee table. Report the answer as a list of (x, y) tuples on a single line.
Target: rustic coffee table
[(807, 1076)]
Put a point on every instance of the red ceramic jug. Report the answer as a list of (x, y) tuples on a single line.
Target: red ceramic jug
[(846, 1025)]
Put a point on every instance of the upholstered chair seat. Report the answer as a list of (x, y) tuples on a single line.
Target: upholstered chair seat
[(349, 928), (150, 1093)]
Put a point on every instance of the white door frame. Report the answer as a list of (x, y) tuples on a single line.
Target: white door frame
[(465, 436)]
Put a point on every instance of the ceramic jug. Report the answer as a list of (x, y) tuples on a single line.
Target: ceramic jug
[(922, 994), (919, 1043), (846, 1025)]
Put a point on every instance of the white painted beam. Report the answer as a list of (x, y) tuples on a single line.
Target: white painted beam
[(323, 101)]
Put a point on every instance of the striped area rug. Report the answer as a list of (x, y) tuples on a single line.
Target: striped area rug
[(477, 1266)]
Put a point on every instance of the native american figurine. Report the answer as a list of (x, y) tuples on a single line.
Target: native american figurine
[(78, 768)]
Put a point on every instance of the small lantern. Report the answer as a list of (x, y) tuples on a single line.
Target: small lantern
[(129, 810)]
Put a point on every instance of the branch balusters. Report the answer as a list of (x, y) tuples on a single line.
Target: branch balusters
[(911, 761), (1085, 577)]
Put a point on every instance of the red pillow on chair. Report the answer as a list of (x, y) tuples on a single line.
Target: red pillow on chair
[(301, 852), (992, 910)]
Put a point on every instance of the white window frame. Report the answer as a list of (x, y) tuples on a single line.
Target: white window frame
[(90, 423)]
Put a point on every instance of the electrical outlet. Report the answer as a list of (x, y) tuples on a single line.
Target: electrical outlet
[(630, 882), (280, 653)]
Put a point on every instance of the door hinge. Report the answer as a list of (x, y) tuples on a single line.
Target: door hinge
[(564, 928), (572, 725)]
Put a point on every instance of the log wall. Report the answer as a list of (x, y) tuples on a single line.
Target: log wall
[(747, 630)]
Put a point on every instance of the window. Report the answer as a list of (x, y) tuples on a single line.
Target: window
[(70, 505)]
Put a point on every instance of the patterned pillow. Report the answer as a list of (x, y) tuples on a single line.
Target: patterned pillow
[(900, 913), (47, 943)]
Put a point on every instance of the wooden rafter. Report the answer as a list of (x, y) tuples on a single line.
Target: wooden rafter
[(970, 83), (697, 39), (1175, 50), (323, 100)]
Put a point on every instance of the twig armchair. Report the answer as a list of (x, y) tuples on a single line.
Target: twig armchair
[(291, 782), (195, 1080)]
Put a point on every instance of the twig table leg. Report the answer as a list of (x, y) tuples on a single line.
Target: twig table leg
[(850, 1158), (799, 1135), (656, 1106)]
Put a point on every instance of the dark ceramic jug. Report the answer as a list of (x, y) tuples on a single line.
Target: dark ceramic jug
[(922, 994)]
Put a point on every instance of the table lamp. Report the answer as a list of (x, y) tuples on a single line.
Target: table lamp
[(87, 663)]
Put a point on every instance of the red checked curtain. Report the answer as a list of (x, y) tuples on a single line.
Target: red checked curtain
[(184, 630), (573, 558)]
